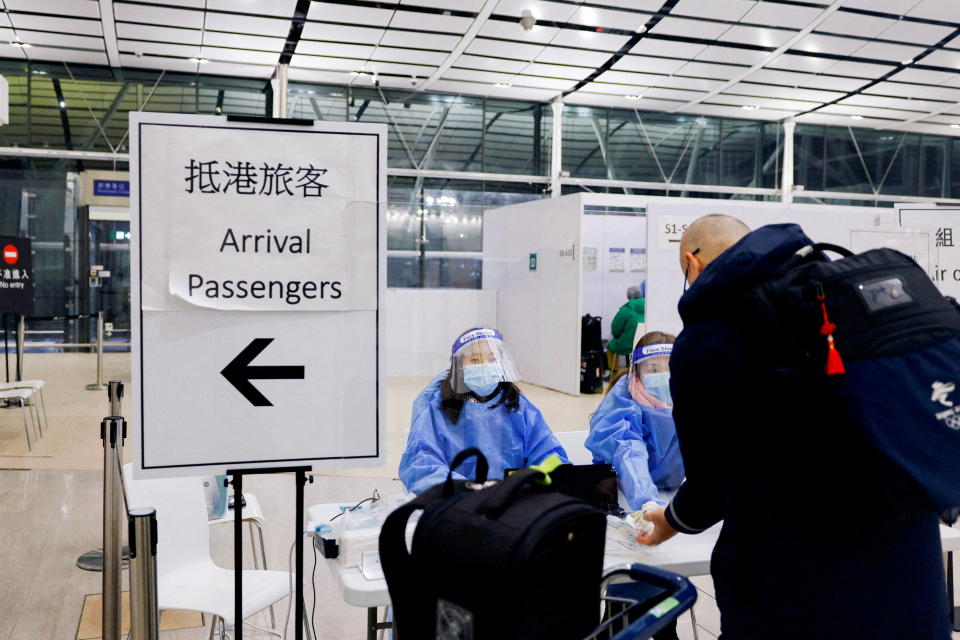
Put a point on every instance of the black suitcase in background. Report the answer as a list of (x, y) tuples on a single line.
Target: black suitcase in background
[(591, 336), (591, 371), (515, 560)]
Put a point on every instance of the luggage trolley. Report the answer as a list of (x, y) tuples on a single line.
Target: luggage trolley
[(640, 601)]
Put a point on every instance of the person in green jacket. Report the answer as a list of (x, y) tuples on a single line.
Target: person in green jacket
[(625, 323)]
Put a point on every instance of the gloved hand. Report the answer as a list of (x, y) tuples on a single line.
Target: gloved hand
[(643, 526), (662, 531)]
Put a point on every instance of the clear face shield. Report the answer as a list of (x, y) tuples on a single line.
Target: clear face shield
[(479, 362), (651, 364)]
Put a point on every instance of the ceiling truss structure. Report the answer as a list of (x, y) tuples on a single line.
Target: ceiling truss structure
[(888, 64)]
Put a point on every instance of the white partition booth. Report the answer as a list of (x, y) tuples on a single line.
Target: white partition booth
[(551, 261)]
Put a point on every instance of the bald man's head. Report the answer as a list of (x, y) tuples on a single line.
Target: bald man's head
[(705, 239)]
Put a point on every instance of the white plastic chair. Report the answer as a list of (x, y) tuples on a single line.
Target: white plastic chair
[(187, 577), (36, 386), (572, 442), (252, 514), (24, 398)]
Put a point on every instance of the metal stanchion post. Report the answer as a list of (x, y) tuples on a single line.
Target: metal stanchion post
[(21, 330), (115, 394), (112, 432), (93, 560), (99, 383), (144, 614)]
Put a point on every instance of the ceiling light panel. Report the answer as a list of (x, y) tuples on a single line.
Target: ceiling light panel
[(732, 55), (159, 34), (490, 64), (59, 25), (430, 22), (891, 52), (781, 15), (85, 9), (247, 24), (817, 43), (732, 10), (646, 64), (159, 16), (756, 36), (340, 33), (500, 49), (944, 58), (590, 40), (437, 41), (243, 41), (916, 32), (855, 24), (362, 16), (513, 31), (690, 28), (276, 8)]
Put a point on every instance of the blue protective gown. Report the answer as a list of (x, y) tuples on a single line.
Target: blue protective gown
[(640, 442), (508, 439)]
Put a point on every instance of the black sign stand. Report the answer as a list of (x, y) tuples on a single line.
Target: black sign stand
[(237, 482)]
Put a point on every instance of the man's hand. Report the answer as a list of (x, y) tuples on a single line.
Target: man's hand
[(662, 531)]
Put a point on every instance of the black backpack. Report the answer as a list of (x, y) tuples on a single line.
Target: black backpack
[(873, 331), (506, 560)]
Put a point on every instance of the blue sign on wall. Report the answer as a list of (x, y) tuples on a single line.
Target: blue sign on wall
[(117, 188)]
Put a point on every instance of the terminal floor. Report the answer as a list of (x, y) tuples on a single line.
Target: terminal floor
[(50, 506)]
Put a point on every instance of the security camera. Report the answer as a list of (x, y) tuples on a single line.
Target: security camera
[(527, 21), (413, 81)]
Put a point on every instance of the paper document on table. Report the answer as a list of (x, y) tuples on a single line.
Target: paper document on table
[(621, 534)]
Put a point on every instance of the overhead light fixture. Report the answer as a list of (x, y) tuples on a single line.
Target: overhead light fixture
[(955, 126), (527, 20), (20, 43), (906, 62), (855, 117), (356, 74), (749, 107), (63, 104), (503, 85), (632, 97), (199, 60)]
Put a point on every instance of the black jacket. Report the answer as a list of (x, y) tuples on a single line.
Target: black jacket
[(822, 537)]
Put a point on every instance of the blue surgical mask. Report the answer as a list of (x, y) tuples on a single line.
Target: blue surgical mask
[(658, 384), (482, 379)]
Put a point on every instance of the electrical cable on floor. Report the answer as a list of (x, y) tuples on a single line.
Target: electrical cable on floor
[(313, 583)]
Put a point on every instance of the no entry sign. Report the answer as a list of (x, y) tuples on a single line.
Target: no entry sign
[(16, 276), (258, 275)]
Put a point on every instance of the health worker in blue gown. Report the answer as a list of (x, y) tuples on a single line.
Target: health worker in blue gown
[(633, 428), (474, 404)]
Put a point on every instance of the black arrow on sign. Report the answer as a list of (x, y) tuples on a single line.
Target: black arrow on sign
[(239, 373)]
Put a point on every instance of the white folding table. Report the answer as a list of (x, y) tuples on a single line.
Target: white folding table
[(684, 554)]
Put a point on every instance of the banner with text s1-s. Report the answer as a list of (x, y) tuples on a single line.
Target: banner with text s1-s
[(259, 267)]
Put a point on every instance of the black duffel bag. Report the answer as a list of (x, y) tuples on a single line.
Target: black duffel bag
[(507, 560)]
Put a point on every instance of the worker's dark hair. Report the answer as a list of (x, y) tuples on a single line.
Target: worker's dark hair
[(451, 402), (653, 337)]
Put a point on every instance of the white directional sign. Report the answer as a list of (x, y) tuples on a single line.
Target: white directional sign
[(258, 254)]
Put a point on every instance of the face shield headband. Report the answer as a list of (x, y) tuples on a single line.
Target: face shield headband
[(473, 336), (652, 351)]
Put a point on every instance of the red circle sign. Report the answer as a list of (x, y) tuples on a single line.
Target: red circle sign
[(10, 254)]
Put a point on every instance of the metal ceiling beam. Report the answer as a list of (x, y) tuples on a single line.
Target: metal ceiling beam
[(770, 57), (64, 119), (107, 117), (109, 26), (481, 19)]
